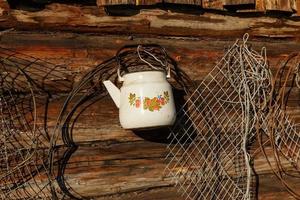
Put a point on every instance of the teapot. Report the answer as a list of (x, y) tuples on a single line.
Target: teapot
[(145, 99)]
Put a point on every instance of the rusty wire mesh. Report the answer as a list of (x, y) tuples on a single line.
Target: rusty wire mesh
[(26, 87), (281, 128)]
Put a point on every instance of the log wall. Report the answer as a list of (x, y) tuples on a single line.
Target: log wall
[(287, 6), (122, 164)]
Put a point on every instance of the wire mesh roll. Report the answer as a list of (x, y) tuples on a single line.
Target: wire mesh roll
[(282, 129), (208, 156), (26, 85), (21, 156)]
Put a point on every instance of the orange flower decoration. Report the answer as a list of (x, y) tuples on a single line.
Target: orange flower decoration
[(151, 104)]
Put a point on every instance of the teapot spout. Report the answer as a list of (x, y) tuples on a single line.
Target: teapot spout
[(113, 91)]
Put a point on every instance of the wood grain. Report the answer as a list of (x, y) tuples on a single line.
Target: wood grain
[(239, 2), (132, 169), (213, 4), (114, 2), (156, 22), (81, 52), (297, 6), (192, 2), (282, 5), (125, 2), (260, 5), (146, 2), (275, 5), (4, 9)]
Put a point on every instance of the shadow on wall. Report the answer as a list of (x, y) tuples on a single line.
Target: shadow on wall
[(162, 135), (37, 5), (114, 10)]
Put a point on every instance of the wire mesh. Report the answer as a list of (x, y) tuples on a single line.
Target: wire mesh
[(287, 138), (281, 128), (26, 85), (208, 156)]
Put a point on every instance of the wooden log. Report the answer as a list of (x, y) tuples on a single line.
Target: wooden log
[(114, 2), (81, 52), (271, 190), (91, 19), (4, 10), (296, 6), (192, 2), (141, 161), (4, 7), (127, 2), (239, 2), (275, 5), (282, 5), (213, 4), (130, 169), (260, 5), (146, 2)]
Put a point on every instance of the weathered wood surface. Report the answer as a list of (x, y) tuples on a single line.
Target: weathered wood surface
[(239, 2), (90, 19), (277, 5), (135, 167), (4, 10), (116, 2), (282, 5), (193, 2), (123, 164), (132, 170), (130, 2), (262, 5), (81, 52), (212, 4), (145, 2)]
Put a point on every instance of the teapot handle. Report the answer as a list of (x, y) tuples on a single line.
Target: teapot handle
[(121, 79)]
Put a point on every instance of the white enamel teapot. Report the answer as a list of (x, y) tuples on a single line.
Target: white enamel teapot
[(145, 99)]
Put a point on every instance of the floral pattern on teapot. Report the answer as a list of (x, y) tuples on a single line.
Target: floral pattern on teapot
[(151, 104)]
